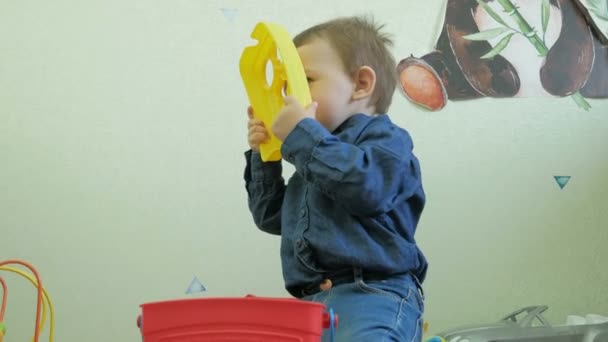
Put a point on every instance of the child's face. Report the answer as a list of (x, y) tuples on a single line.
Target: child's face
[(329, 85)]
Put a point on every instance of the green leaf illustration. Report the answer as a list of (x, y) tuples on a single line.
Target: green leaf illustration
[(545, 13), (528, 32), (492, 13), (486, 34), (502, 44), (580, 101), (599, 8)]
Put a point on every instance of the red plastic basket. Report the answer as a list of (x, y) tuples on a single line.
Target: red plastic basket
[(245, 319)]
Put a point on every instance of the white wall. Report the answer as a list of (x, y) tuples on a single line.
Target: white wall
[(122, 128)]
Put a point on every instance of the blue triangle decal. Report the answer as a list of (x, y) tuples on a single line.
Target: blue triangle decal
[(562, 180), (195, 286), (230, 13)]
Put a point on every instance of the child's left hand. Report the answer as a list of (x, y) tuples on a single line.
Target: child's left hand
[(290, 115)]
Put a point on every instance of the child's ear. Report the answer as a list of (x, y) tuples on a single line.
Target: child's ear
[(364, 82)]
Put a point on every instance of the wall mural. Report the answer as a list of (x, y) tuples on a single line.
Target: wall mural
[(506, 48)]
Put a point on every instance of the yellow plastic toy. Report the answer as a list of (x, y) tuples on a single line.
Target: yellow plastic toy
[(266, 97)]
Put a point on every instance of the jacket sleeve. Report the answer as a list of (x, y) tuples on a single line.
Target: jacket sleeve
[(367, 177), (265, 190)]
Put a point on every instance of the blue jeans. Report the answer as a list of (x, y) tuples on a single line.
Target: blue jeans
[(375, 310)]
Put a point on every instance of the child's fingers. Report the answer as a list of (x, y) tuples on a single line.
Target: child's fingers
[(257, 133), (255, 122), (290, 99), (257, 130), (255, 139), (258, 137)]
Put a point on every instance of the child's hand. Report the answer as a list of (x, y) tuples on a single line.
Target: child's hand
[(257, 132), (290, 115)]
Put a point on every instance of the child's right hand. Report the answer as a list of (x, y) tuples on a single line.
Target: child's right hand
[(257, 132)]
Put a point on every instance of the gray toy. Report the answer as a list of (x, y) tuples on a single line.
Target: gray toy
[(526, 325)]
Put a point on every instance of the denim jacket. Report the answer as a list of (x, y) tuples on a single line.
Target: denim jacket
[(354, 200)]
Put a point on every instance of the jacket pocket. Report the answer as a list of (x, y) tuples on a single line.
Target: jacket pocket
[(306, 255)]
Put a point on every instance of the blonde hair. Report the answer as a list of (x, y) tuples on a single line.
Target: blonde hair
[(359, 41)]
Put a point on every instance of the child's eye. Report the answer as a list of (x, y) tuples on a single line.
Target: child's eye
[(308, 79)]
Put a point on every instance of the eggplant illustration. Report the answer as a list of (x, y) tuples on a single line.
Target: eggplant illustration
[(461, 68)]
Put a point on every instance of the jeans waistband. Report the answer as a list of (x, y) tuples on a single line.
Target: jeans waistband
[(351, 275)]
